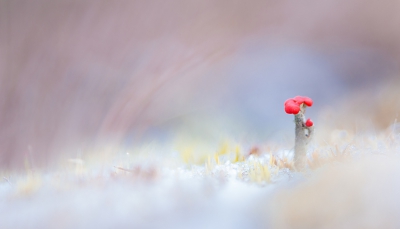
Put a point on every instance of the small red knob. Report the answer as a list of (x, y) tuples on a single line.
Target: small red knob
[(309, 123)]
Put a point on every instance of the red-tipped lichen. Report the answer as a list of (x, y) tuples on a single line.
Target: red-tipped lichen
[(304, 129)]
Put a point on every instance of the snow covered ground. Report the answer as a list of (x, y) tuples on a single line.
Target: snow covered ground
[(353, 185)]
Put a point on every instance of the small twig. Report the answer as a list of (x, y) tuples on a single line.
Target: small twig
[(8, 181), (123, 169)]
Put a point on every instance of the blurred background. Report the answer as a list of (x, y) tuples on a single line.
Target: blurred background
[(74, 74)]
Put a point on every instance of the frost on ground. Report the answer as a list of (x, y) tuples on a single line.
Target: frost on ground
[(352, 184)]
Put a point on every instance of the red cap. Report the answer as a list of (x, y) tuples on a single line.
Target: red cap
[(292, 106), (303, 99), (309, 123)]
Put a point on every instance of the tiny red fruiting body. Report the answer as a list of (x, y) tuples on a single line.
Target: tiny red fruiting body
[(303, 99), (304, 128), (292, 106), (309, 123)]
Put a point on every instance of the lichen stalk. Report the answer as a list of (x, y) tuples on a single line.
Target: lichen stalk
[(303, 136)]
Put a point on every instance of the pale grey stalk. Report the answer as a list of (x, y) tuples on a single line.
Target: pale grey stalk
[(303, 137)]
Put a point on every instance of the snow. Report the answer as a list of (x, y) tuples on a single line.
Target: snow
[(153, 191)]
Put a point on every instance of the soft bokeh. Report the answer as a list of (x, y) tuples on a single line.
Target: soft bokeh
[(80, 73)]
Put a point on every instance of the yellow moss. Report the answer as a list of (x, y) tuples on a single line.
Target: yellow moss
[(216, 157), (272, 160), (267, 173), (259, 173), (187, 155), (238, 156), (28, 185), (208, 165), (224, 149)]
